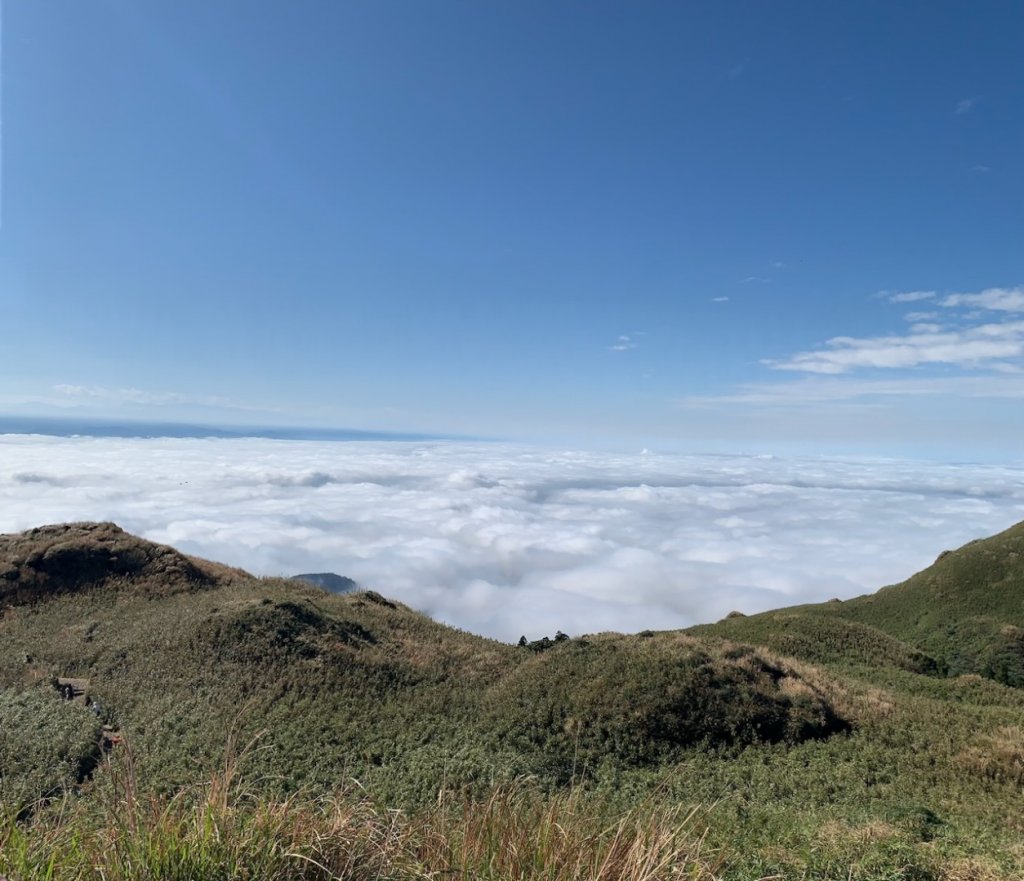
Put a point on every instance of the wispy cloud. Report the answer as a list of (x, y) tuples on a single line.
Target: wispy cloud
[(966, 105), (119, 395), (986, 345), (719, 299), (979, 169), (758, 279), (969, 347), (910, 296), (737, 70), (624, 343), (96, 394), (814, 390), (996, 299)]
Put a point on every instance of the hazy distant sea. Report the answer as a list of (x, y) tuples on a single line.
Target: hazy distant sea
[(69, 427)]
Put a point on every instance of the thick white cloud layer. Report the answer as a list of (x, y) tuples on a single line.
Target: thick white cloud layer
[(508, 540)]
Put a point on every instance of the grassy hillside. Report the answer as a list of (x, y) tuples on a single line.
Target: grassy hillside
[(356, 685), (964, 614), (966, 610), (824, 741)]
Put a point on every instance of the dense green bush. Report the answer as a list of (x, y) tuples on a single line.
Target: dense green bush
[(47, 745), (642, 702)]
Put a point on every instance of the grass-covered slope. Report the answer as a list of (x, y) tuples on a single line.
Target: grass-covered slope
[(966, 610), (820, 636), (42, 563), (962, 615), (47, 746), (646, 701), (177, 652), (834, 741)]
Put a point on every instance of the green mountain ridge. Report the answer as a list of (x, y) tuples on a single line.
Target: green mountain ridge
[(964, 614)]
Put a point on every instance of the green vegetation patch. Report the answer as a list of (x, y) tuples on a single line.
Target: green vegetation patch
[(47, 745), (645, 701)]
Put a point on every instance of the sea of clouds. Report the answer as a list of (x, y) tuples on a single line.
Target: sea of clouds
[(506, 540)]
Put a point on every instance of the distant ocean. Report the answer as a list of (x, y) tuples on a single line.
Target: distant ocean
[(66, 427)]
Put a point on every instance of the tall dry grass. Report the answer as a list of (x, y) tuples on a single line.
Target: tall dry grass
[(519, 834), (225, 832)]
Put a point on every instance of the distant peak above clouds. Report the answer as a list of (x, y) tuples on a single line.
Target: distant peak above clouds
[(329, 581)]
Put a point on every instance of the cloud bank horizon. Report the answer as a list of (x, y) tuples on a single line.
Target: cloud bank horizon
[(510, 540)]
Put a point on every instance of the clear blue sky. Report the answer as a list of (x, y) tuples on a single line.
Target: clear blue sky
[(605, 222)]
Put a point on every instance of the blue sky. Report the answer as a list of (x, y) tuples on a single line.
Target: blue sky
[(692, 225)]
